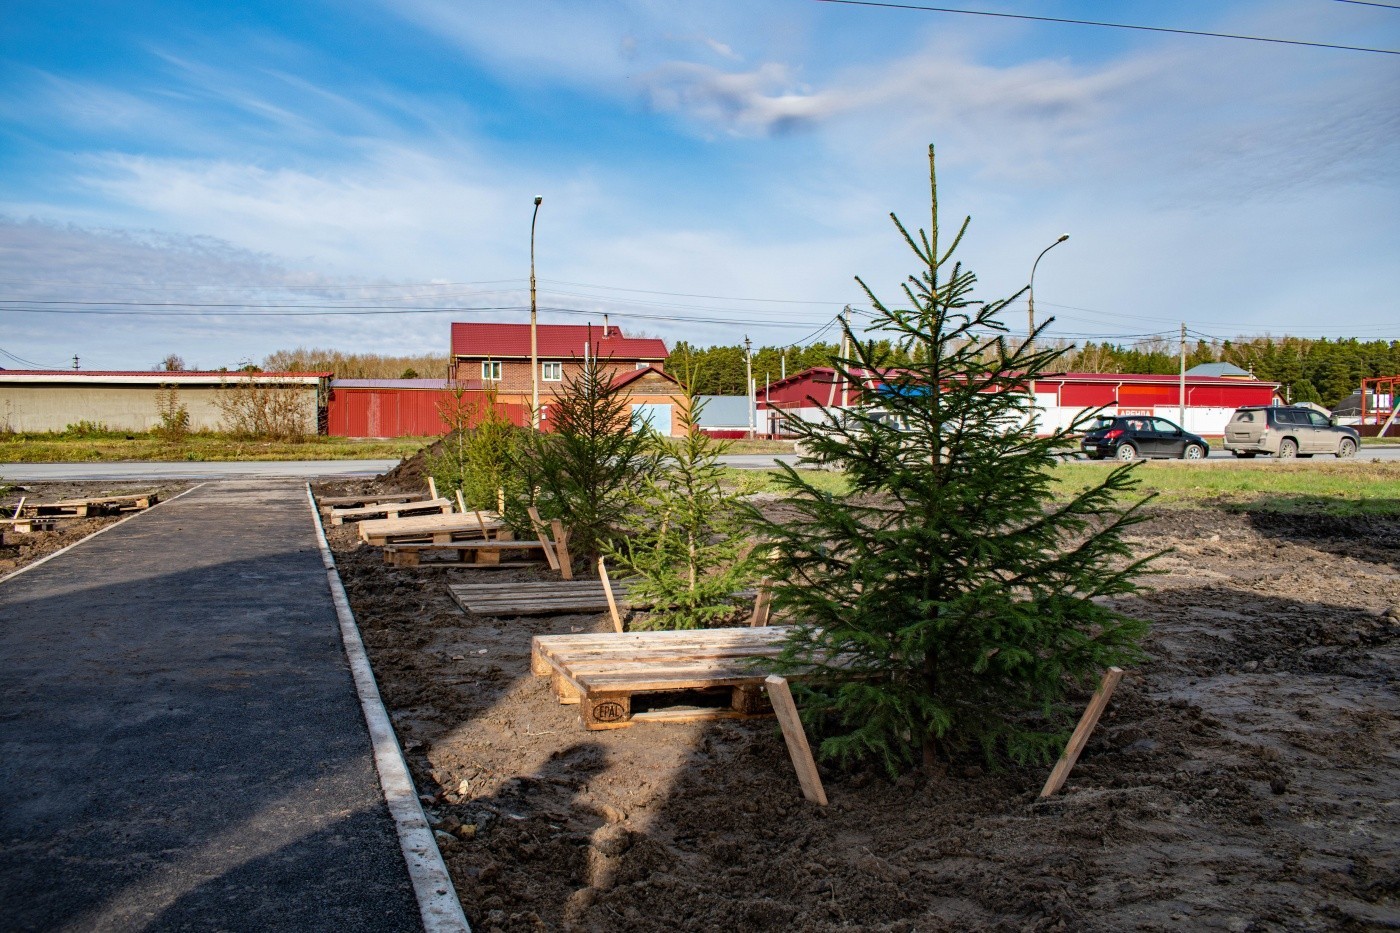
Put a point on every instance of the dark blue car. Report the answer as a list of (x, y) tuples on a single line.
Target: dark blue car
[(1128, 437)]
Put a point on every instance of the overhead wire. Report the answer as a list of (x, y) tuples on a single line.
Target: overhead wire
[(1108, 25)]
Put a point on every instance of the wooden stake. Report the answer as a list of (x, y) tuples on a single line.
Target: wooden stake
[(781, 697), (462, 505), (20, 508), (500, 500), (762, 605), (481, 523), (1087, 722), (538, 524), (561, 549), (432, 488), (607, 591)]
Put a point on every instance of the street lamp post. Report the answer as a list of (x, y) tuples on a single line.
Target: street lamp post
[(1030, 293), (534, 329)]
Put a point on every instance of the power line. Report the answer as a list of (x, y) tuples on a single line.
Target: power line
[(1383, 6), (1108, 25), (20, 359)]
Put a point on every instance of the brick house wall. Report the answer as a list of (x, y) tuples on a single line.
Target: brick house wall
[(515, 374)]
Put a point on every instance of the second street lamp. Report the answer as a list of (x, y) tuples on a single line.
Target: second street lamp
[(534, 329), (1030, 292)]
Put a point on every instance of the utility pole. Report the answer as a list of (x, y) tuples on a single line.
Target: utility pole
[(784, 369), (534, 329), (748, 382), (75, 361), (843, 353), (1181, 411)]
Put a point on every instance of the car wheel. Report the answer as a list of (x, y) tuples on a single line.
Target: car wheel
[(1287, 449), (1347, 448), (1193, 452), (1126, 452)]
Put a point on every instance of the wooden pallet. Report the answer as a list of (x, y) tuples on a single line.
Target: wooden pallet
[(391, 510), (479, 554), (348, 502), (533, 599), (24, 526), (605, 672), (439, 529), (96, 505)]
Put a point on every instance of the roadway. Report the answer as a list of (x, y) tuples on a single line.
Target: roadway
[(363, 469)]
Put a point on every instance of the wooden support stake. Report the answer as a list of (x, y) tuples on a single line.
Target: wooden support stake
[(20, 508), (561, 549), (538, 524), (432, 488), (1087, 722), (481, 523), (607, 591), (462, 505), (500, 500), (781, 697), (762, 605)]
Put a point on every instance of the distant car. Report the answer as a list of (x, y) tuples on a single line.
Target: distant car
[(1128, 437), (1288, 431)]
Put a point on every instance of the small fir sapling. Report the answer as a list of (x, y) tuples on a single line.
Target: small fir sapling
[(685, 538), (950, 601), (580, 470)]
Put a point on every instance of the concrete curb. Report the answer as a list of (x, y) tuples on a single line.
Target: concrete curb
[(437, 898), (121, 521)]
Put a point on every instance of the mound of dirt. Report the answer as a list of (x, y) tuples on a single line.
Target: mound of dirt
[(412, 472)]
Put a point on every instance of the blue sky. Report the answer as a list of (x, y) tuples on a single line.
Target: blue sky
[(709, 170)]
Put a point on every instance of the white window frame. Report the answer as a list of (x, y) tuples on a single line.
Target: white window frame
[(557, 368), (490, 370), (642, 365)]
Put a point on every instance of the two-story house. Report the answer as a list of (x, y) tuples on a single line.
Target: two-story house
[(497, 356)]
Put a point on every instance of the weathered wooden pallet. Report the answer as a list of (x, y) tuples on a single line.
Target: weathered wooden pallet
[(480, 554), (605, 672), (391, 510), (95, 505), (439, 529), (533, 599), (24, 526), (369, 498)]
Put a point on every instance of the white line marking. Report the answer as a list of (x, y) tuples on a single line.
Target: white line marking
[(437, 899), (48, 557)]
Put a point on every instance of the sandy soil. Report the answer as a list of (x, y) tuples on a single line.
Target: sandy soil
[(1245, 778), (17, 550)]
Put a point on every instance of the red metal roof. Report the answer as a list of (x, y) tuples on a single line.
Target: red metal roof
[(154, 373), (556, 341)]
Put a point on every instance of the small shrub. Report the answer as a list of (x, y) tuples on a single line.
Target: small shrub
[(262, 409), (174, 415), (476, 450)]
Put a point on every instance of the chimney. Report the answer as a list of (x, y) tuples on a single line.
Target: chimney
[(605, 325)]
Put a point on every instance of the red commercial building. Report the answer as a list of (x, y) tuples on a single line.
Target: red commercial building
[(1060, 397)]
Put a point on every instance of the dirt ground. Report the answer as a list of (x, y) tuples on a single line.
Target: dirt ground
[(17, 550), (1245, 778)]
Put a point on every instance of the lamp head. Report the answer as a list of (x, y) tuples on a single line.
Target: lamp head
[(539, 199), (1063, 236)]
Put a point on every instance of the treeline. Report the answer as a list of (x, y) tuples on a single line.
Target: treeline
[(1322, 370), (357, 365)]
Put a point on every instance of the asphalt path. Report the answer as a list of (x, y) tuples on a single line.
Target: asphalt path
[(1368, 452), (181, 744)]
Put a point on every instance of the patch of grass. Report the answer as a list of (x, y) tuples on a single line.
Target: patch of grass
[(752, 481), (116, 446), (1346, 488)]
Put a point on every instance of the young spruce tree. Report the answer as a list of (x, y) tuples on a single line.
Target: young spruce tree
[(950, 595), (686, 540), (582, 469)]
